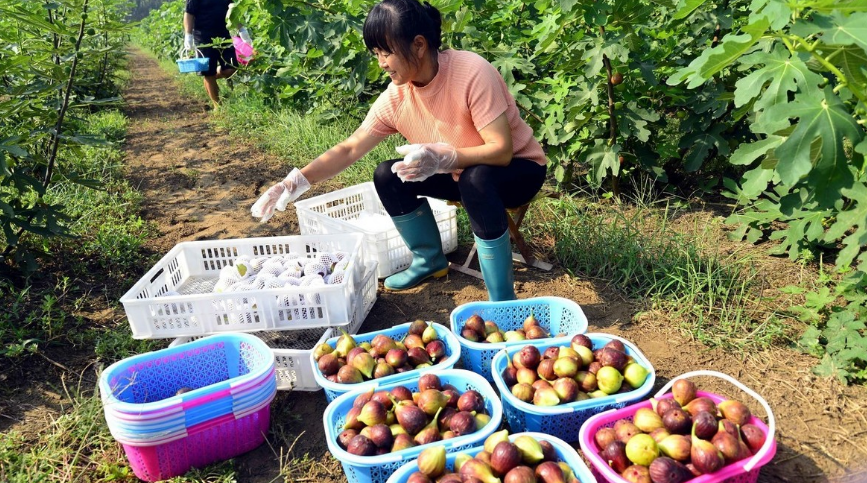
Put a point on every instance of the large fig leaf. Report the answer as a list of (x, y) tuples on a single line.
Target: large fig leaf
[(603, 158), (822, 118), (784, 71), (853, 224), (839, 29)]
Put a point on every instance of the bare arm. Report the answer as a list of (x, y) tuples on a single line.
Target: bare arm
[(497, 150), (189, 23), (340, 157)]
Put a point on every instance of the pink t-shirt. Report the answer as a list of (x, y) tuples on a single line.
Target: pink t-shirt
[(466, 95)]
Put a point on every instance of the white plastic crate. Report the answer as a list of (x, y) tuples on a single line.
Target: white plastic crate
[(292, 348), (192, 268), (339, 212)]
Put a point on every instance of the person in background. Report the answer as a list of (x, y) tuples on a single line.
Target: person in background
[(204, 23), (467, 143)]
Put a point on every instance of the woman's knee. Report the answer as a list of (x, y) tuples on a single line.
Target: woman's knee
[(382, 175), (476, 179)]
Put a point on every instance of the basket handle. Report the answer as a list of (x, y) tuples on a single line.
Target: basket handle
[(772, 424)]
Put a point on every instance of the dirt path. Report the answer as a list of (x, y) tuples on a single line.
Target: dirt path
[(199, 183)]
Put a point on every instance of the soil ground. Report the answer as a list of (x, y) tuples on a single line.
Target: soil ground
[(199, 183)]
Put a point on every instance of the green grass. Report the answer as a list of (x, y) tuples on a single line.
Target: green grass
[(713, 298)]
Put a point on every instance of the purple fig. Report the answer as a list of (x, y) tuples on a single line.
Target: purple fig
[(417, 355), (677, 421), (700, 404), (471, 335), (361, 446), (615, 455), (612, 358), (463, 423), (581, 340), (429, 381), (667, 470), (704, 425), (604, 437), (418, 477), (735, 411), (616, 345), (410, 417), (528, 357), (349, 375), (401, 393), (549, 472), (362, 398), (476, 324), (350, 356), (625, 430), (663, 405), (381, 436), (566, 389), (328, 364), (551, 353), (727, 446), (396, 358), (471, 401), (548, 451), (436, 350), (683, 391), (537, 333), (545, 369), (594, 367), (352, 421), (704, 455), (373, 412), (520, 474), (453, 396), (345, 437), (417, 327), (586, 380), (754, 437), (445, 417), (726, 426), (505, 457)]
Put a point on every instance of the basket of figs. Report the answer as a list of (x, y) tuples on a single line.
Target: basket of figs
[(504, 458), (353, 362), (685, 435), (553, 386), (375, 431)]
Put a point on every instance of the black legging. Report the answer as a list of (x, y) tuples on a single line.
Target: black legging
[(485, 191)]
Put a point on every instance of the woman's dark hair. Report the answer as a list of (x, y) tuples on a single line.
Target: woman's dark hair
[(392, 25)]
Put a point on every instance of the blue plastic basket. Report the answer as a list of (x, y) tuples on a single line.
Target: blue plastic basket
[(564, 421), (398, 332), (565, 453), (377, 469), (555, 314), (196, 64), (227, 372)]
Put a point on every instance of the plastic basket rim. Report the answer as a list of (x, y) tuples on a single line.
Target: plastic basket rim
[(446, 364), (401, 474), (370, 461), (131, 295), (110, 398), (488, 346), (265, 406), (437, 205), (571, 407), (156, 416), (728, 471)]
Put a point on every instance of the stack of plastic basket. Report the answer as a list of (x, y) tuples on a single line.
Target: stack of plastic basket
[(190, 405)]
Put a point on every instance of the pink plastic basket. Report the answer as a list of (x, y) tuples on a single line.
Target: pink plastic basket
[(212, 441), (243, 50), (744, 471)]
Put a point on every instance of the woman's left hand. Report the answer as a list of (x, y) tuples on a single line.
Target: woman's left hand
[(421, 161)]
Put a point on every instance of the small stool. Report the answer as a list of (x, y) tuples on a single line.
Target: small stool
[(515, 217)]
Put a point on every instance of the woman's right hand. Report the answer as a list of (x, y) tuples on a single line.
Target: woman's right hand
[(278, 196)]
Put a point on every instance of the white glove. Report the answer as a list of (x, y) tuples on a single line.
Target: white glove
[(189, 43), (279, 195), (245, 36), (421, 161)]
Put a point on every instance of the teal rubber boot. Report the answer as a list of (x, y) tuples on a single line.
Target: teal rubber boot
[(420, 232), (495, 259)]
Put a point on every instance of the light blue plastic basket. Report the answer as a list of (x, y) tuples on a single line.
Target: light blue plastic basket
[(196, 64), (398, 332), (565, 453), (555, 315), (377, 469), (564, 421)]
